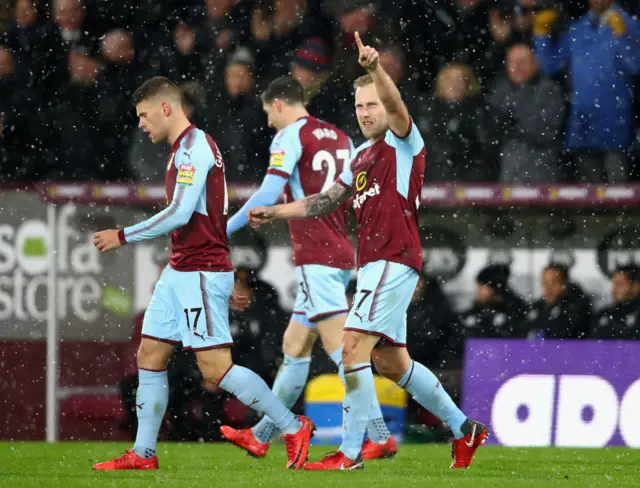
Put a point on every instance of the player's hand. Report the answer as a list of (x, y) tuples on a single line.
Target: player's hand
[(260, 216), (367, 56), (106, 240), (238, 302)]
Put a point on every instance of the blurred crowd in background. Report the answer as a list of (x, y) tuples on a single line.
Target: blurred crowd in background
[(503, 90)]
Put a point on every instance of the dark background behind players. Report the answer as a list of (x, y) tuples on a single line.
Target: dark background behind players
[(456, 128), (496, 310), (563, 311), (620, 320), (255, 329), (66, 66), (430, 324)]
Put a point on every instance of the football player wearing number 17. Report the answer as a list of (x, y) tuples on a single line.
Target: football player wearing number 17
[(190, 303), (307, 154)]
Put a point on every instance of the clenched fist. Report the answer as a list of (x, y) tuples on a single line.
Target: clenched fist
[(260, 215)]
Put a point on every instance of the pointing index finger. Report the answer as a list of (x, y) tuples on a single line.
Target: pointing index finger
[(359, 42)]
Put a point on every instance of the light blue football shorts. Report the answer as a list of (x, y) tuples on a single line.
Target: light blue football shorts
[(192, 307), (380, 305), (321, 293)]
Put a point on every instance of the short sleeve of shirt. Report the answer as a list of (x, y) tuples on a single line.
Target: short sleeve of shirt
[(193, 165), (285, 150), (346, 177), (413, 139)]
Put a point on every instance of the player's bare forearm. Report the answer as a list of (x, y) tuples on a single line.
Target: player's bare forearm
[(314, 206), (289, 211), (397, 113), (326, 202), (388, 91)]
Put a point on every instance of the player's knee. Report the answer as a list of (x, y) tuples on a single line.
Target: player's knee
[(153, 355), (388, 369), (382, 367), (354, 349), (212, 372), (331, 332), (330, 345), (391, 362), (297, 346), (297, 349), (214, 364), (331, 341)]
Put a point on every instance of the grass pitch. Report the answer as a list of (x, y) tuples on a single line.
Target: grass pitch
[(68, 464)]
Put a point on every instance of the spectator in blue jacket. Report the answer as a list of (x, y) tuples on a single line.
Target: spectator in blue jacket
[(601, 52)]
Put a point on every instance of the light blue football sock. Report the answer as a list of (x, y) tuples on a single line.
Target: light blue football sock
[(376, 426), (359, 394), (425, 388), (151, 403), (288, 387), (251, 390)]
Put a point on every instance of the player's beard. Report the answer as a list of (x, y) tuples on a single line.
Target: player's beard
[(375, 132)]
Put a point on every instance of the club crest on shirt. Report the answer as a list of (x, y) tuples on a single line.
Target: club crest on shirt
[(185, 174), (361, 181), (277, 159)]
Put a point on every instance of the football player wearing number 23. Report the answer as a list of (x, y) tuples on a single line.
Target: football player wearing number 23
[(306, 156)]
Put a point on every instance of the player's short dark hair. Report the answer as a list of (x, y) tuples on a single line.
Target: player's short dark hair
[(364, 80), (562, 270), (153, 87), (193, 96), (630, 271), (284, 88)]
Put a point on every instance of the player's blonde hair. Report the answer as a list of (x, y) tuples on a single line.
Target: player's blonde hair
[(364, 80)]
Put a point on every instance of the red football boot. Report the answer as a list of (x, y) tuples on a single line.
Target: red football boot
[(335, 462), (130, 460), (462, 450), (371, 450), (298, 443), (244, 439)]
